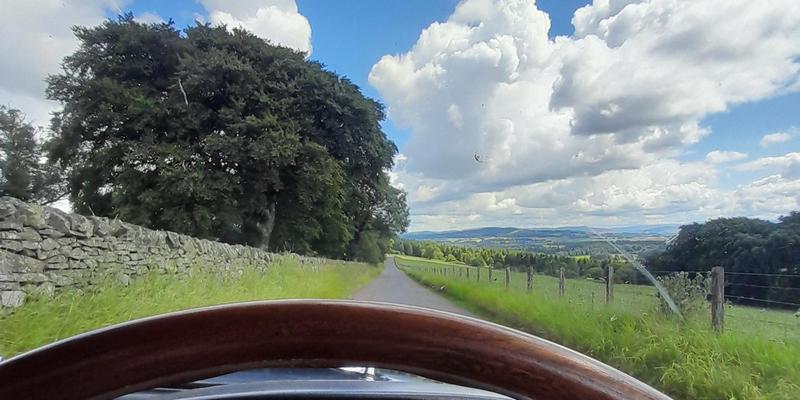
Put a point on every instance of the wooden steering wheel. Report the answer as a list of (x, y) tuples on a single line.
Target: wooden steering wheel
[(194, 344)]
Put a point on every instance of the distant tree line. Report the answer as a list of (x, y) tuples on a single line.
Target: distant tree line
[(761, 258), (549, 264), (215, 134)]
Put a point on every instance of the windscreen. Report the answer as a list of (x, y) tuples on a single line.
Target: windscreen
[(621, 177)]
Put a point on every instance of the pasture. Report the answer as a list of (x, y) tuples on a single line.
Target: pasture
[(686, 359)]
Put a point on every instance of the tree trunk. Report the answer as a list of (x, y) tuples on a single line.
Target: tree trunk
[(265, 226), (258, 226)]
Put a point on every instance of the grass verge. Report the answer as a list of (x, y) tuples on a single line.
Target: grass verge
[(43, 320), (683, 359)]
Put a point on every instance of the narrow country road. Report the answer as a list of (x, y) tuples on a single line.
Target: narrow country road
[(393, 286)]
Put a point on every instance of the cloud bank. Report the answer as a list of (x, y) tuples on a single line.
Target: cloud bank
[(586, 128)]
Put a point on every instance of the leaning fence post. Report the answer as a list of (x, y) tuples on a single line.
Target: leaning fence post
[(610, 285), (508, 277), (718, 298), (561, 281), (530, 277)]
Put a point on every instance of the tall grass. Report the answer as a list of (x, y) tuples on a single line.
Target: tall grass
[(683, 359), (43, 320)]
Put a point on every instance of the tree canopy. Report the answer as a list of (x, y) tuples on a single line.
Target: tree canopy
[(761, 258), (24, 174), (222, 135)]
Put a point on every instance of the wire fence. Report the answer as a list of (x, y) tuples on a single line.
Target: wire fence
[(754, 315)]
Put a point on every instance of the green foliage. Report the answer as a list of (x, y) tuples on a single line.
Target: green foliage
[(741, 245), (44, 320), (689, 293), (685, 360), (23, 172), (224, 136), (595, 273), (549, 264)]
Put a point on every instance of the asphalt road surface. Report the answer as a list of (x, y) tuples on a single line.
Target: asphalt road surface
[(393, 286)]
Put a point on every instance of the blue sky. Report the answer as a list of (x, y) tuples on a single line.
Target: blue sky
[(641, 111)]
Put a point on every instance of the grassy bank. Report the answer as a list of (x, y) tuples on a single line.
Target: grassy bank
[(43, 321), (684, 359)]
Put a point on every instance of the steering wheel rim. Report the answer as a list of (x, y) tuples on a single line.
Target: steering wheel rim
[(199, 343)]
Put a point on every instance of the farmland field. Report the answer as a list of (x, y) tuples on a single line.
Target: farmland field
[(750, 360)]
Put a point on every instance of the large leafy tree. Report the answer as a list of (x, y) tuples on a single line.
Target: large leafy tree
[(23, 172), (762, 258), (220, 134)]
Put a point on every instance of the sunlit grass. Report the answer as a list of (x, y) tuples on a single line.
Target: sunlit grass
[(43, 321), (684, 359)]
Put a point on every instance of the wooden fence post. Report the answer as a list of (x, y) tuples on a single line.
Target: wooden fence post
[(468, 273), (561, 281), (530, 277), (490, 274), (610, 285), (718, 298), (508, 277), (478, 274)]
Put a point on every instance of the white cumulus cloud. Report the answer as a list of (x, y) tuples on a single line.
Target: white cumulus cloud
[(720, 157), (627, 91), (278, 21), (774, 138)]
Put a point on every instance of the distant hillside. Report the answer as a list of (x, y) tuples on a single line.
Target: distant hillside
[(635, 239), (575, 232)]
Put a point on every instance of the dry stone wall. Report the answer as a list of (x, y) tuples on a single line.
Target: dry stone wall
[(43, 250)]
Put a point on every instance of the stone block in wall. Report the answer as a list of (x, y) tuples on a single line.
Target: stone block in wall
[(57, 222), (31, 277), (58, 265), (67, 241), (9, 285), (10, 235), (11, 245), (94, 242), (32, 215), (56, 259), (80, 226), (45, 254), (10, 226), (77, 253), (118, 228), (12, 298), (102, 227), (30, 235), (173, 240), (50, 233), (16, 263), (7, 207), (32, 246), (48, 245)]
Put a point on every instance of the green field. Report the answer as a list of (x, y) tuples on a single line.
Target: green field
[(751, 360), (43, 321)]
